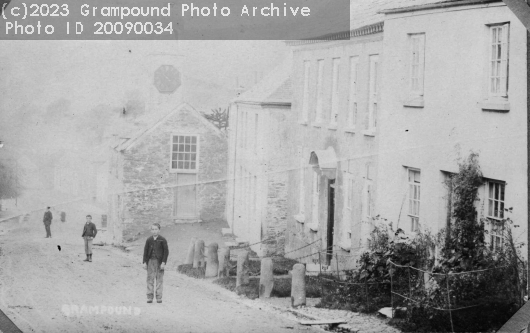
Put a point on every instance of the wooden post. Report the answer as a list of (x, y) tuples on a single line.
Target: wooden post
[(266, 280), (224, 262), (242, 278), (298, 286), (191, 252), (199, 253), (212, 261)]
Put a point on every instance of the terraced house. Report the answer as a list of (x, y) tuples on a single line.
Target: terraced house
[(337, 96), (456, 83)]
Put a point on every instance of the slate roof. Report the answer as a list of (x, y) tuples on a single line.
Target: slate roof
[(275, 88)]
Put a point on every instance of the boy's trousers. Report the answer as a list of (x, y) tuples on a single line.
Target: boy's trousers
[(154, 272), (88, 245)]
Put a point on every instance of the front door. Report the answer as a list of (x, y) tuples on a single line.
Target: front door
[(331, 220), (185, 196)]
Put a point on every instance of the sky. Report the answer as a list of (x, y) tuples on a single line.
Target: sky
[(57, 95)]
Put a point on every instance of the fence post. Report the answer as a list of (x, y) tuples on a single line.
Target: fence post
[(266, 280), (298, 286), (242, 278), (191, 252), (212, 261), (224, 262), (449, 302), (392, 291), (198, 253)]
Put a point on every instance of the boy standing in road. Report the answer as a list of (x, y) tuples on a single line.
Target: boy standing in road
[(155, 259), (89, 233), (47, 222)]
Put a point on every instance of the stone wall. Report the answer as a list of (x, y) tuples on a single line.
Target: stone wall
[(149, 185)]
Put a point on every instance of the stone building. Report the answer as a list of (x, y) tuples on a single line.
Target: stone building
[(259, 160), (456, 83), (336, 95), (172, 171)]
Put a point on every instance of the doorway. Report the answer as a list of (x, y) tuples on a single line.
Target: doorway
[(184, 206), (331, 220)]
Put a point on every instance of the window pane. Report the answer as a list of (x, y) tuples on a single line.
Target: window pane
[(193, 156), (188, 139), (181, 147), (180, 165), (194, 139), (502, 191), (193, 148), (188, 148), (186, 165), (192, 165), (501, 210), (174, 165), (175, 139), (490, 207), (496, 209)]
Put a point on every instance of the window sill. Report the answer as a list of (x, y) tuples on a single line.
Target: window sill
[(332, 127), (313, 226), (495, 105), (414, 102), (370, 132), (300, 218), (182, 171)]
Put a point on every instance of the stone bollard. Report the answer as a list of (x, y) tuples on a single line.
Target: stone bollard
[(242, 278), (198, 253), (191, 252), (266, 280), (224, 262), (298, 286), (212, 261)]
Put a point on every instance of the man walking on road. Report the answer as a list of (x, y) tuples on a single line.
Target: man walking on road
[(47, 222), (89, 233), (155, 259)]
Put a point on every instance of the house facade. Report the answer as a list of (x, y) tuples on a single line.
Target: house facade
[(336, 134), (173, 171), (259, 160), (455, 84)]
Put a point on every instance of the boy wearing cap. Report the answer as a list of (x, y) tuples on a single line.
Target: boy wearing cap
[(155, 259)]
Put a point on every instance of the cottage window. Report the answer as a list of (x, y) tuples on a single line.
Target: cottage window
[(303, 163), (496, 213), (305, 102), (414, 182), (320, 78), (417, 64), (373, 107), (335, 92), (184, 153), (352, 115), (498, 62)]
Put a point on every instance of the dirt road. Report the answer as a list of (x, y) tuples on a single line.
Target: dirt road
[(45, 286)]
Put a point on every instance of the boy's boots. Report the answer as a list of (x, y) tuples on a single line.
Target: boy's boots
[(90, 257), (87, 256)]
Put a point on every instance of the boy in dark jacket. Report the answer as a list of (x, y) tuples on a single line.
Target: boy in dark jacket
[(89, 233), (155, 259)]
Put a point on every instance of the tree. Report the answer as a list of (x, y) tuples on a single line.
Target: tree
[(218, 117), (9, 182)]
